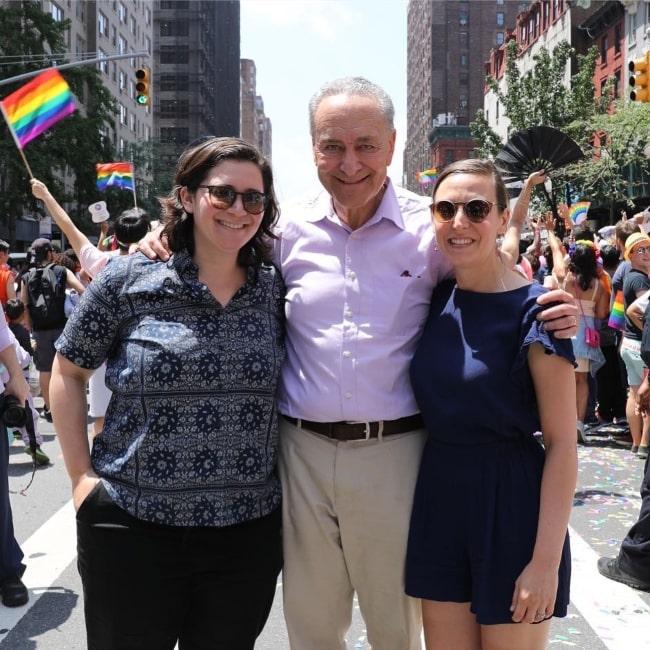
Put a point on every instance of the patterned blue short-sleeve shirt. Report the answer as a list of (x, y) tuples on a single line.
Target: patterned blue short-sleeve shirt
[(190, 436)]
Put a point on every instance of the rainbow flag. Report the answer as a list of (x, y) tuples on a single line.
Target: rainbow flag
[(578, 212), (617, 315), (427, 176), (36, 106), (119, 174)]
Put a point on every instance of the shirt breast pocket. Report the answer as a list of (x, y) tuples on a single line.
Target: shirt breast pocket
[(399, 306)]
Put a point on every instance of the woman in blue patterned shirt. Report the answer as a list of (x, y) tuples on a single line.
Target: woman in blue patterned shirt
[(178, 523)]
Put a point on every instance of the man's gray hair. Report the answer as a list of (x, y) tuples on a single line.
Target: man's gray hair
[(352, 86)]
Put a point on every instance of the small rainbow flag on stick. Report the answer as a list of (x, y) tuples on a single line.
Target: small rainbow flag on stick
[(617, 315), (578, 212), (427, 176), (36, 106), (118, 174)]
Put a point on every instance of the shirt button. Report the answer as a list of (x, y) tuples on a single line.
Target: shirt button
[(347, 354), (348, 395), (353, 275)]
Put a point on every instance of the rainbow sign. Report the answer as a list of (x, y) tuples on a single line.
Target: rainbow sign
[(578, 212)]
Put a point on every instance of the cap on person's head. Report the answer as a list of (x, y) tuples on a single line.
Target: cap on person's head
[(634, 239), (40, 248), (4, 246)]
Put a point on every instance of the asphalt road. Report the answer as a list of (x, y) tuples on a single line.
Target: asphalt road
[(603, 616)]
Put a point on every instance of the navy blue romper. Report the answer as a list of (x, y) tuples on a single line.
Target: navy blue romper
[(476, 502)]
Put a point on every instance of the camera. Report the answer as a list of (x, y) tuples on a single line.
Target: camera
[(14, 414)]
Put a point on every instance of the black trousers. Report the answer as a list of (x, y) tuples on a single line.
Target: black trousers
[(634, 556), (612, 385), (148, 586), (10, 554)]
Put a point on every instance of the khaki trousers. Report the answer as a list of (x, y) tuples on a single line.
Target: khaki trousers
[(346, 512)]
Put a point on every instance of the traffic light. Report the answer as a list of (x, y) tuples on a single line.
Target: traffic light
[(640, 78), (142, 85)]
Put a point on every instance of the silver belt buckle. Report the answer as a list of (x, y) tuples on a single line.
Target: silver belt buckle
[(366, 424)]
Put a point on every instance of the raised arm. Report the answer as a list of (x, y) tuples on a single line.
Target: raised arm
[(76, 238), (559, 265), (510, 244)]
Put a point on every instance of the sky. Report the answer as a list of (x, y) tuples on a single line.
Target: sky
[(298, 45)]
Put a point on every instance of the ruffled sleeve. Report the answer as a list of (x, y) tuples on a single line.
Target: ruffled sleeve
[(534, 331)]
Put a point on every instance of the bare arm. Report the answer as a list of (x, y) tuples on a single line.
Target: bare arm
[(16, 385), (76, 238), (535, 589), (74, 283), (559, 265), (510, 244), (11, 287), (68, 404), (25, 298), (601, 308)]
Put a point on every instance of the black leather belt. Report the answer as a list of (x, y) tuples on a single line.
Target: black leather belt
[(359, 430)]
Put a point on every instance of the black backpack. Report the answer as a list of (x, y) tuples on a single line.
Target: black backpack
[(46, 293)]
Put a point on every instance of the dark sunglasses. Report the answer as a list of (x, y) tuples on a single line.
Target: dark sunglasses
[(475, 210), (223, 196)]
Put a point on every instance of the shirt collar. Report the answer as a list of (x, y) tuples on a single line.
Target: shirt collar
[(323, 208)]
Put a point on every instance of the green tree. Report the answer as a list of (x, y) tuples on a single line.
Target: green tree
[(615, 171), (32, 40), (540, 97)]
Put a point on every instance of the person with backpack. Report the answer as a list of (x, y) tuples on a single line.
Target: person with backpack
[(43, 293)]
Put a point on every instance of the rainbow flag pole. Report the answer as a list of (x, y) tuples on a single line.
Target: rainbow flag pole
[(35, 107)]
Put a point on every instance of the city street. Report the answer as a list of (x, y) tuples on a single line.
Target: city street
[(604, 615)]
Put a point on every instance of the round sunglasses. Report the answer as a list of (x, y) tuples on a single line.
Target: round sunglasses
[(223, 197), (476, 210)]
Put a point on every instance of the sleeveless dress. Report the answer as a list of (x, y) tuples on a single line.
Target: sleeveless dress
[(476, 503), (580, 348)]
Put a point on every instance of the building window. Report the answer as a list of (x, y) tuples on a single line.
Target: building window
[(603, 50), (631, 29), (102, 24), (463, 18), (464, 40), (501, 19), (464, 60), (147, 15), (56, 12), (499, 38), (545, 13), (123, 115), (123, 81), (102, 65), (618, 37), (122, 45), (174, 55), (172, 82), (122, 13)]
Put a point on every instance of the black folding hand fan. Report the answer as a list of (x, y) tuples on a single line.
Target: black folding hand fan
[(539, 147)]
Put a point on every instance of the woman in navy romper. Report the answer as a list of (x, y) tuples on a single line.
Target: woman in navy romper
[(488, 546)]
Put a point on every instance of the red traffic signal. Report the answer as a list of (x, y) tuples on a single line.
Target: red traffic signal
[(142, 85)]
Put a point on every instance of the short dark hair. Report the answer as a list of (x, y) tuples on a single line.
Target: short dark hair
[(131, 226), (610, 256), (480, 167), (14, 308), (191, 169), (4, 246)]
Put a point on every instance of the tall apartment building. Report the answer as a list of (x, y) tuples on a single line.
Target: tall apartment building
[(196, 83), (448, 43), (255, 126)]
